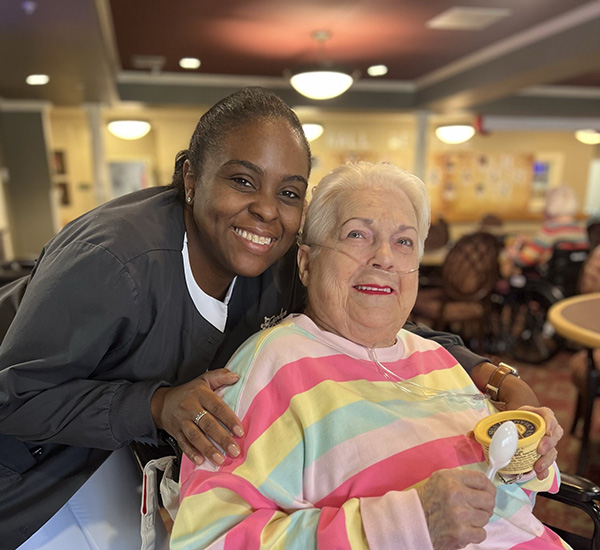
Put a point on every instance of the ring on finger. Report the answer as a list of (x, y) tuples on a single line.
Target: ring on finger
[(199, 417)]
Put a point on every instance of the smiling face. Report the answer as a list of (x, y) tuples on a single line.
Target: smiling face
[(357, 282), (247, 205)]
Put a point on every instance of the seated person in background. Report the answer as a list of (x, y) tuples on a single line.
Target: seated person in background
[(560, 226), (355, 429)]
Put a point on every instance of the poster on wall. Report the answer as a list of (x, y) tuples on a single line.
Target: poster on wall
[(469, 185), (128, 176), (59, 164), (64, 197)]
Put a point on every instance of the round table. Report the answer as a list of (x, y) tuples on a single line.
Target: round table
[(578, 319)]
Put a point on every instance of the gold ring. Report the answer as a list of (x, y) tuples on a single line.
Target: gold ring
[(199, 417)]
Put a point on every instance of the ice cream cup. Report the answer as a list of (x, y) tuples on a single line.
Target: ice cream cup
[(531, 428)]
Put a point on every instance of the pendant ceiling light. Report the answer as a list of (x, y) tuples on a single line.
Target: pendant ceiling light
[(455, 133), (129, 129), (323, 80)]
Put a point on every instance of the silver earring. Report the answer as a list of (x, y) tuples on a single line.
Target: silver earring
[(189, 199)]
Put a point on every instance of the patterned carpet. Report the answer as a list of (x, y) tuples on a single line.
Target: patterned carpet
[(552, 384)]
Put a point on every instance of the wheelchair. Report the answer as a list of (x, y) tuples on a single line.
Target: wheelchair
[(521, 307), (583, 494)]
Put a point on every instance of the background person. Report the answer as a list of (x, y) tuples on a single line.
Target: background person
[(560, 226), (356, 431)]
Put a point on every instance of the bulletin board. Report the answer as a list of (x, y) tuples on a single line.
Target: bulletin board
[(468, 185)]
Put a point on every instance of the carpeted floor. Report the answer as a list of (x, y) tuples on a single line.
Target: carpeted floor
[(552, 384)]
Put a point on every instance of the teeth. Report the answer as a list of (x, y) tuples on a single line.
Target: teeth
[(374, 289), (257, 239)]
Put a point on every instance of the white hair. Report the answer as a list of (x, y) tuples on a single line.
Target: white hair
[(333, 190), (560, 201)]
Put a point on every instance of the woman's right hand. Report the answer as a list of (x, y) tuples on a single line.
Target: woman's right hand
[(179, 411), (458, 505)]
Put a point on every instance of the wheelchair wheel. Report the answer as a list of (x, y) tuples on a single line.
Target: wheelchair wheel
[(529, 336)]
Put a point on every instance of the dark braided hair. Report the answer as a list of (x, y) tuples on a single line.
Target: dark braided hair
[(237, 109)]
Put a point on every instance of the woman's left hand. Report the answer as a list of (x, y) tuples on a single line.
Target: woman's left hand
[(547, 445)]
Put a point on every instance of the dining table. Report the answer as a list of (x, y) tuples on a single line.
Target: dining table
[(578, 319)]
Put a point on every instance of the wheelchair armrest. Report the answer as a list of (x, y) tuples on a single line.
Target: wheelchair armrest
[(583, 494), (577, 488)]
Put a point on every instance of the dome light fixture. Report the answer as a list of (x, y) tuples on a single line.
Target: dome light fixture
[(323, 80), (588, 136), (312, 131), (321, 83), (129, 129), (455, 133)]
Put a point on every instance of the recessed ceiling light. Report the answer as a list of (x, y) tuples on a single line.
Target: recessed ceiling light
[(377, 70), (37, 79), (189, 63), (467, 18), (29, 7)]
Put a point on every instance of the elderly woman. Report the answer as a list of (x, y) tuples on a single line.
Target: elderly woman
[(559, 228), (355, 429)]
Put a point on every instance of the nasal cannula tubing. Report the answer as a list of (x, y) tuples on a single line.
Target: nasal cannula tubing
[(407, 386), (423, 391), (387, 272)]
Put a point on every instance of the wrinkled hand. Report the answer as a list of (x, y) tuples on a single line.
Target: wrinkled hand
[(547, 445), (458, 505), (175, 409)]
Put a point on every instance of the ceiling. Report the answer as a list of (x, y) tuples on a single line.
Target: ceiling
[(542, 58)]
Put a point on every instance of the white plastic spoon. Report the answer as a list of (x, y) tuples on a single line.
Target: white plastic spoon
[(502, 447)]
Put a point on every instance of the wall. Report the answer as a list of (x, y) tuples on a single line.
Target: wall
[(374, 137), (28, 183), (387, 136), (70, 136)]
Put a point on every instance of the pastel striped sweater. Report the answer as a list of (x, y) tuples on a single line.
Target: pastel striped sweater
[(334, 449), (538, 251)]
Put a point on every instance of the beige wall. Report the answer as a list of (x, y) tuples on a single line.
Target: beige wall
[(348, 135), (70, 134)]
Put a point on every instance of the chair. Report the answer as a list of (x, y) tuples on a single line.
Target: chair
[(564, 266), (469, 274), (438, 235), (583, 494), (524, 330), (585, 366), (593, 231), (490, 223), (13, 270), (435, 247), (585, 375)]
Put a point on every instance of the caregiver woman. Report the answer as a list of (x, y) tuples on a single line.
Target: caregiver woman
[(130, 306)]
